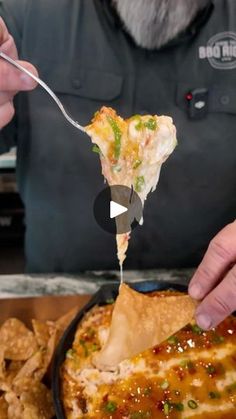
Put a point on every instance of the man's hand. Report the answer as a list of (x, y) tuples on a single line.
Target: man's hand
[(214, 282), (11, 79)]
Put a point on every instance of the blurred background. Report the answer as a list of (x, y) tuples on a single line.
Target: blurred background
[(11, 218)]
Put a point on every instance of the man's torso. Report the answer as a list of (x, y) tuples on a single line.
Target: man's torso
[(82, 52)]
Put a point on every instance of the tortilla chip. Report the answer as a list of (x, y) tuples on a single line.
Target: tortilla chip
[(15, 408), (47, 356), (25, 358), (42, 332), (2, 362), (4, 386), (14, 367), (47, 336), (3, 408), (19, 342), (11, 371), (140, 322), (36, 399), (31, 412), (31, 366)]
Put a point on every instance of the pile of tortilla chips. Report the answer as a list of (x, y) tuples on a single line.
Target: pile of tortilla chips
[(25, 359)]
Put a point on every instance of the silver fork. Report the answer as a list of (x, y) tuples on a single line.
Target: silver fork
[(45, 86)]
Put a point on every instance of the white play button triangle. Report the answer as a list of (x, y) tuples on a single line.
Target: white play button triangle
[(116, 209)]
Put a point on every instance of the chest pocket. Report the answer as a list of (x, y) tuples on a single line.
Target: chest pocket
[(86, 83), (199, 100)]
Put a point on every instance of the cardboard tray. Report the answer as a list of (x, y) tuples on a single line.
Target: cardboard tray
[(105, 293), (41, 308)]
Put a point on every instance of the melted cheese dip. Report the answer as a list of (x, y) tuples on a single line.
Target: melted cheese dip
[(192, 375)]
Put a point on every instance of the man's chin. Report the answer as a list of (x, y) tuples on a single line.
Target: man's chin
[(153, 23)]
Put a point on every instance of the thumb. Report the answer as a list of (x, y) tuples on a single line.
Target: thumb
[(4, 34), (12, 79), (7, 43)]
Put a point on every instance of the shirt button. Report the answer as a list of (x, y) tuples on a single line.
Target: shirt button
[(224, 100), (76, 83)]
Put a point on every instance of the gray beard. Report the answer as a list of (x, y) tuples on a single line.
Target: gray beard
[(153, 23)]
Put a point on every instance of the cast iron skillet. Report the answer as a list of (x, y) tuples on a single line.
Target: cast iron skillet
[(105, 293)]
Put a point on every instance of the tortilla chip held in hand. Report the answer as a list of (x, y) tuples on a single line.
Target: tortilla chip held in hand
[(140, 322)]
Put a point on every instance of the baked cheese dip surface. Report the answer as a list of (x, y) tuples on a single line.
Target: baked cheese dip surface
[(192, 375)]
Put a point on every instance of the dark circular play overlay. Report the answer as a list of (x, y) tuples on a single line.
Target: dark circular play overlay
[(117, 196)]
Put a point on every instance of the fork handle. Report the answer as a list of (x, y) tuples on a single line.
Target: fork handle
[(45, 86)]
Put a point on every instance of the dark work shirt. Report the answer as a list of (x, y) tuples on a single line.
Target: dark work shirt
[(81, 50)]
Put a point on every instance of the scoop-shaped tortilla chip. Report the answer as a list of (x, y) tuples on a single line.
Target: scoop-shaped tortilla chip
[(140, 322)]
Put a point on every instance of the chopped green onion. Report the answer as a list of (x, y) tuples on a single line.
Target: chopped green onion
[(196, 329), (139, 183), (83, 344), (231, 388), (110, 301), (166, 408), (210, 369), (95, 347), (151, 124), (96, 149), (164, 385), (70, 353), (116, 168), (147, 391), (187, 364), (117, 135), (218, 339), (190, 364), (184, 363), (137, 116), (137, 163), (172, 340), (178, 406), (139, 125), (111, 406), (214, 395), (192, 404)]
